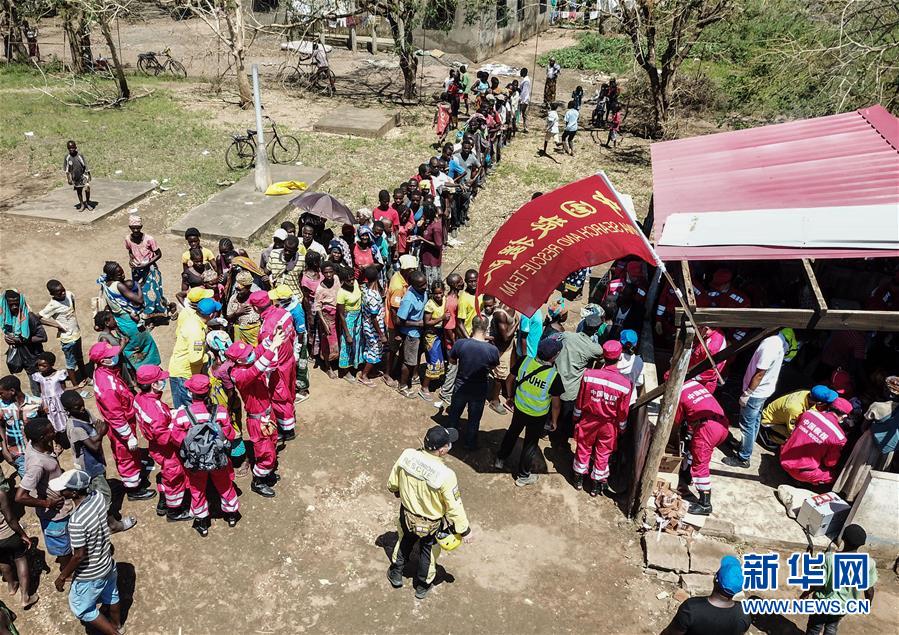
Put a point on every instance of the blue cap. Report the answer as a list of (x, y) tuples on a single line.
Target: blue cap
[(548, 348), (628, 336), (823, 393), (730, 576), (208, 306)]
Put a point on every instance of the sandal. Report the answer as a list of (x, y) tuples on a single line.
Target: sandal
[(349, 379), (366, 382), (127, 523), (426, 396), (391, 383), (407, 393)]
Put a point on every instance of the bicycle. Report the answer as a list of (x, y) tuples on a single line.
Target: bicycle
[(319, 80), (148, 64), (282, 148)]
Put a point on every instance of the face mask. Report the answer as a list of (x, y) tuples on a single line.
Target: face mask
[(251, 358), (159, 386), (112, 361)]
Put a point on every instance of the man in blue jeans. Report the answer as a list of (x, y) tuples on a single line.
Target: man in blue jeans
[(475, 358), (759, 383)]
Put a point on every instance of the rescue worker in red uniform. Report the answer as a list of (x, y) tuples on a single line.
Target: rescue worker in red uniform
[(667, 303), (627, 272), (283, 374), (723, 295), (813, 449), (716, 342), (249, 375), (886, 296), (116, 405), (155, 422), (704, 428), (600, 412), (201, 408)]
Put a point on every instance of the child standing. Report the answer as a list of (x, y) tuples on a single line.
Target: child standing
[(53, 383), (571, 123), (434, 317), (442, 118), (78, 176), (551, 132), (61, 308), (15, 408), (614, 128)]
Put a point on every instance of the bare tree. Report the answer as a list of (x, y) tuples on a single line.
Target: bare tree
[(103, 13), (662, 35), (14, 48)]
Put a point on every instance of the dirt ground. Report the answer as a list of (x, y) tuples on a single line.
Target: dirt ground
[(546, 559)]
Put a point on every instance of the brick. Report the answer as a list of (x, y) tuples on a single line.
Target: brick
[(680, 595), (697, 583), (705, 555), (666, 551), (667, 576)]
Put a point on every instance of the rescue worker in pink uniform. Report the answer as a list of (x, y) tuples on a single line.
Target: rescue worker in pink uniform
[(813, 449), (716, 342), (704, 428), (216, 462), (116, 405), (249, 375), (283, 374), (155, 422), (600, 412)]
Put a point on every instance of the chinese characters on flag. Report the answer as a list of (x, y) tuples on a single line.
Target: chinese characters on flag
[(576, 226)]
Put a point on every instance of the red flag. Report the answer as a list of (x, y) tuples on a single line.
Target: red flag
[(576, 226)]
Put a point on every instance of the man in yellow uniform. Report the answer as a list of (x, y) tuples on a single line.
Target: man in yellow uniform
[(779, 416), (189, 353), (430, 502)]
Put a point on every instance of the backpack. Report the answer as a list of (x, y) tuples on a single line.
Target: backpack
[(205, 448)]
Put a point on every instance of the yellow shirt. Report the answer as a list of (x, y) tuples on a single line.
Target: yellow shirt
[(396, 289), (428, 488), (466, 310), (208, 256), (190, 345), (785, 410), (351, 300), (436, 310)]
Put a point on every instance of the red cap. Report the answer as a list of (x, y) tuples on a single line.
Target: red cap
[(634, 269), (721, 277), (611, 350), (103, 350), (149, 373), (239, 351), (259, 299), (843, 406), (841, 381), (197, 384)]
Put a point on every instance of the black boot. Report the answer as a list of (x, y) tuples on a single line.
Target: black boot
[(261, 487), (140, 494), (683, 484), (201, 525), (232, 519), (704, 506), (395, 576), (286, 435), (578, 481), (161, 509), (176, 514), (596, 488)]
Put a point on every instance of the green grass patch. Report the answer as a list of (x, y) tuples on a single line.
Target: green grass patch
[(594, 52)]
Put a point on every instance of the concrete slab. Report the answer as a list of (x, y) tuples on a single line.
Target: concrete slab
[(697, 583), (876, 508), (111, 195), (665, 551), (358, 122), (745, 504), (240, 212), (705, 554)]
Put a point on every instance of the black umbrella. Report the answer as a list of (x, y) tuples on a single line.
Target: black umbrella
[(324, 205)]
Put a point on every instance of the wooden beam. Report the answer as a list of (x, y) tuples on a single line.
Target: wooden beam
[(749, 318), (832, 320), (666, 418), (859, 321), (688, 284), (813, 282)]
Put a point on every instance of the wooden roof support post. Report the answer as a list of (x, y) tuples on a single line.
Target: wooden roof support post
[(680, 363), (816, 288), (688, 283)]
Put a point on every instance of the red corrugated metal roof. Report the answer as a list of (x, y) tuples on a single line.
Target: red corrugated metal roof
[(847, 159)]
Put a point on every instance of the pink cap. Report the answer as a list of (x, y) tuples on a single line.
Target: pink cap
[(843, 406), (634, 269), (841, 381), (149, 373), (103, 350), (611, 350), (259, 299), (198, 384), (238, 351)]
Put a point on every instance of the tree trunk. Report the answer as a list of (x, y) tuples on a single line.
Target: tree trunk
[(124, 91), (14, 48), (244, 90), (660, 92), (78, 33), (405, 49), (409, 66), (237, 45)]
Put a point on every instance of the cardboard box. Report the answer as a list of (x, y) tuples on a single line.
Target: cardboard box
[(823, 514)]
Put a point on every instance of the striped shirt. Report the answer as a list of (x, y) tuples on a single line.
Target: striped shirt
[(88, 528), (14, 421)]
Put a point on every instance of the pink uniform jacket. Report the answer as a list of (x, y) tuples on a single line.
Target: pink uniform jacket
[(182, 423), (155, 420), (251, 383), (697, 405), (272, 317), (604, 396), (814, 447), (716, 342), (114, 401)]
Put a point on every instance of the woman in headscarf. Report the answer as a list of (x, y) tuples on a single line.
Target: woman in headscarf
[(324, 307), (873, 449), (336, 255), (125, 301), (363, 251), (347, 241), (143, 254), (241, 315), (374, 329), (312, 275), (349, 323), (24, 335), (243, 263), (223, 265), (211, 282)]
